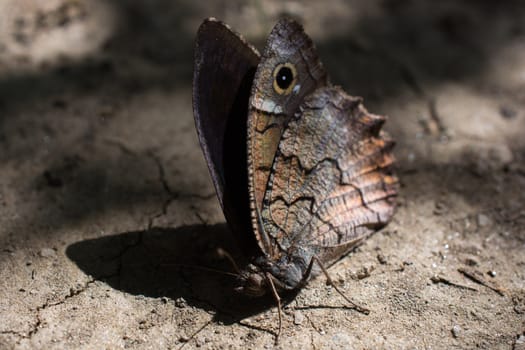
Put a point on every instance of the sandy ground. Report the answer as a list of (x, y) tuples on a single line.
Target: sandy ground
[(105, 196)]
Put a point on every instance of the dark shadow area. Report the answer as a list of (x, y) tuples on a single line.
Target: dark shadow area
[(171, 263)]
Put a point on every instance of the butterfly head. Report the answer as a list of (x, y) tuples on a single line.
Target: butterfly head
[(252, 282), (263, 275)]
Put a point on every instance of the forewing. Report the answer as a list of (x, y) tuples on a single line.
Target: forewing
[(270, 111), (331, 183), (224, 69)]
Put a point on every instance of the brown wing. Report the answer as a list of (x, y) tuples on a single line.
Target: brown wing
[(270, 110), (224, 69), (331, 183)]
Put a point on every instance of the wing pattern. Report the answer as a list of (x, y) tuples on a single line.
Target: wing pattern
[(330, 185), (270, 112)]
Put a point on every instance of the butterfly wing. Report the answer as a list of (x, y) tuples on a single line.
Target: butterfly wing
[(331, 183), (224, 69), (271, 107)]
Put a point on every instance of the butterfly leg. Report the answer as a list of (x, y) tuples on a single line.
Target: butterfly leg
[(278, 300), (331, 282)]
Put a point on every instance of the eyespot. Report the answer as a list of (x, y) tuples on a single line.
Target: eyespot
[(284, 78)]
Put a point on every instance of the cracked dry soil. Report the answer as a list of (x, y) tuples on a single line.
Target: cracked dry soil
[(107, 207)]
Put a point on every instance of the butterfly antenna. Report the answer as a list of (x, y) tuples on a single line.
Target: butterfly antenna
[(224, 254), (361, 309)]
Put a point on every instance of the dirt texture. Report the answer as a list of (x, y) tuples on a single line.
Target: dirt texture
[(108, 210)]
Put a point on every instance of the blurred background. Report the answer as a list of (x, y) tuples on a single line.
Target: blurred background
[(102, 178)]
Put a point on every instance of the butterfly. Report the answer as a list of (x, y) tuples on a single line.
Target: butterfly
[(302, 170)]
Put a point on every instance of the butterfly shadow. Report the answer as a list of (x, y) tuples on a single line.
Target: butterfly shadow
[(178, 264)]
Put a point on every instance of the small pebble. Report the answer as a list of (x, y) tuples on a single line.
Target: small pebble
[(364, 272), (471, 262), (520, 343), (298, 318), (180, 302), (492, 273), (483, 220), (440, 208), (183, 339), (381, 258), (200, 341), (507, 112), (456, 330), (47, 253)]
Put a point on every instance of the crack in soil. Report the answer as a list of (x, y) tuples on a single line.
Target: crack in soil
[(172, 194), (172, 197), (162, 175), (167, 187), (312, 343), (121, 254), (15, 333), (163, 212), (121, 146), (48, 304)]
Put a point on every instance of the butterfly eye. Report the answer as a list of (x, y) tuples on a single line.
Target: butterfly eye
[(284, 78)]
